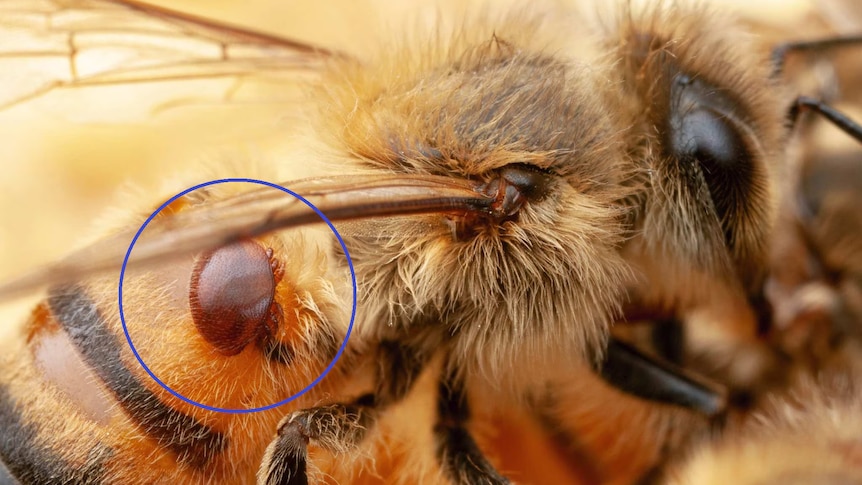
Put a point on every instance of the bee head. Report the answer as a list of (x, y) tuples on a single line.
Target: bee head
[(541, 267), (709, 130)]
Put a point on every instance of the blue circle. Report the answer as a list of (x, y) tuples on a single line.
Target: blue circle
[(306, 388)]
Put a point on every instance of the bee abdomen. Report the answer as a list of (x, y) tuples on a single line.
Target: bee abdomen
[(77, 314), (28, 457), (73, 411)]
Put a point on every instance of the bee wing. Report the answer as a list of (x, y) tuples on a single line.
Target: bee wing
[(48, 45), (258, 212)]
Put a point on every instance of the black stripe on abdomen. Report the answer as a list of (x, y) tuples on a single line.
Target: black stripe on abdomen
[(459, 456), (193, 442), (30, 459)]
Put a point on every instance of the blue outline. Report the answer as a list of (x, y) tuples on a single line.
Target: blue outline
[(225, 410)]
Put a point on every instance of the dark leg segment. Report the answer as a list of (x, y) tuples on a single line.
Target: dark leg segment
[(284, 463), (461, 459), (340, 427), (335, 427), (633, 372)]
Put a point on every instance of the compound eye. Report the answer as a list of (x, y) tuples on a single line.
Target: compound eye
[(705, 130), (714, 142), (231, 295)]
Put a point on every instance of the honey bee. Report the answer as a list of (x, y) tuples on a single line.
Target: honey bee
[(507, 188)]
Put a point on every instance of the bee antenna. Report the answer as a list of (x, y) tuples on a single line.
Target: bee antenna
[(836, 117), (781, 51)]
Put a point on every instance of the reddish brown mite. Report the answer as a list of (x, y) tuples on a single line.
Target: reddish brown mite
[(232, 295)]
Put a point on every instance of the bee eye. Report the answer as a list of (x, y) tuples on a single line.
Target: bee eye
[(710, 139), (231, 295), (705, 130)]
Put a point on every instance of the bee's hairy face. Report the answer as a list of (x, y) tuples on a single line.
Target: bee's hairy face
[(531, 131)]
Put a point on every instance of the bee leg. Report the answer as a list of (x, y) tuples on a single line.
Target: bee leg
[(460, 457), (336, 427), (633, 372), (342, 426), (695, 410)]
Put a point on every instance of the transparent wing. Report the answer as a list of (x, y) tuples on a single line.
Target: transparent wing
[(257, 212), (48, 45)]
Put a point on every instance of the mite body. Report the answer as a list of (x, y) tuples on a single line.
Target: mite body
[(565, 173)]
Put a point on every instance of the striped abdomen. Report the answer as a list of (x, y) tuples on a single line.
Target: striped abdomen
[(76, 406)]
